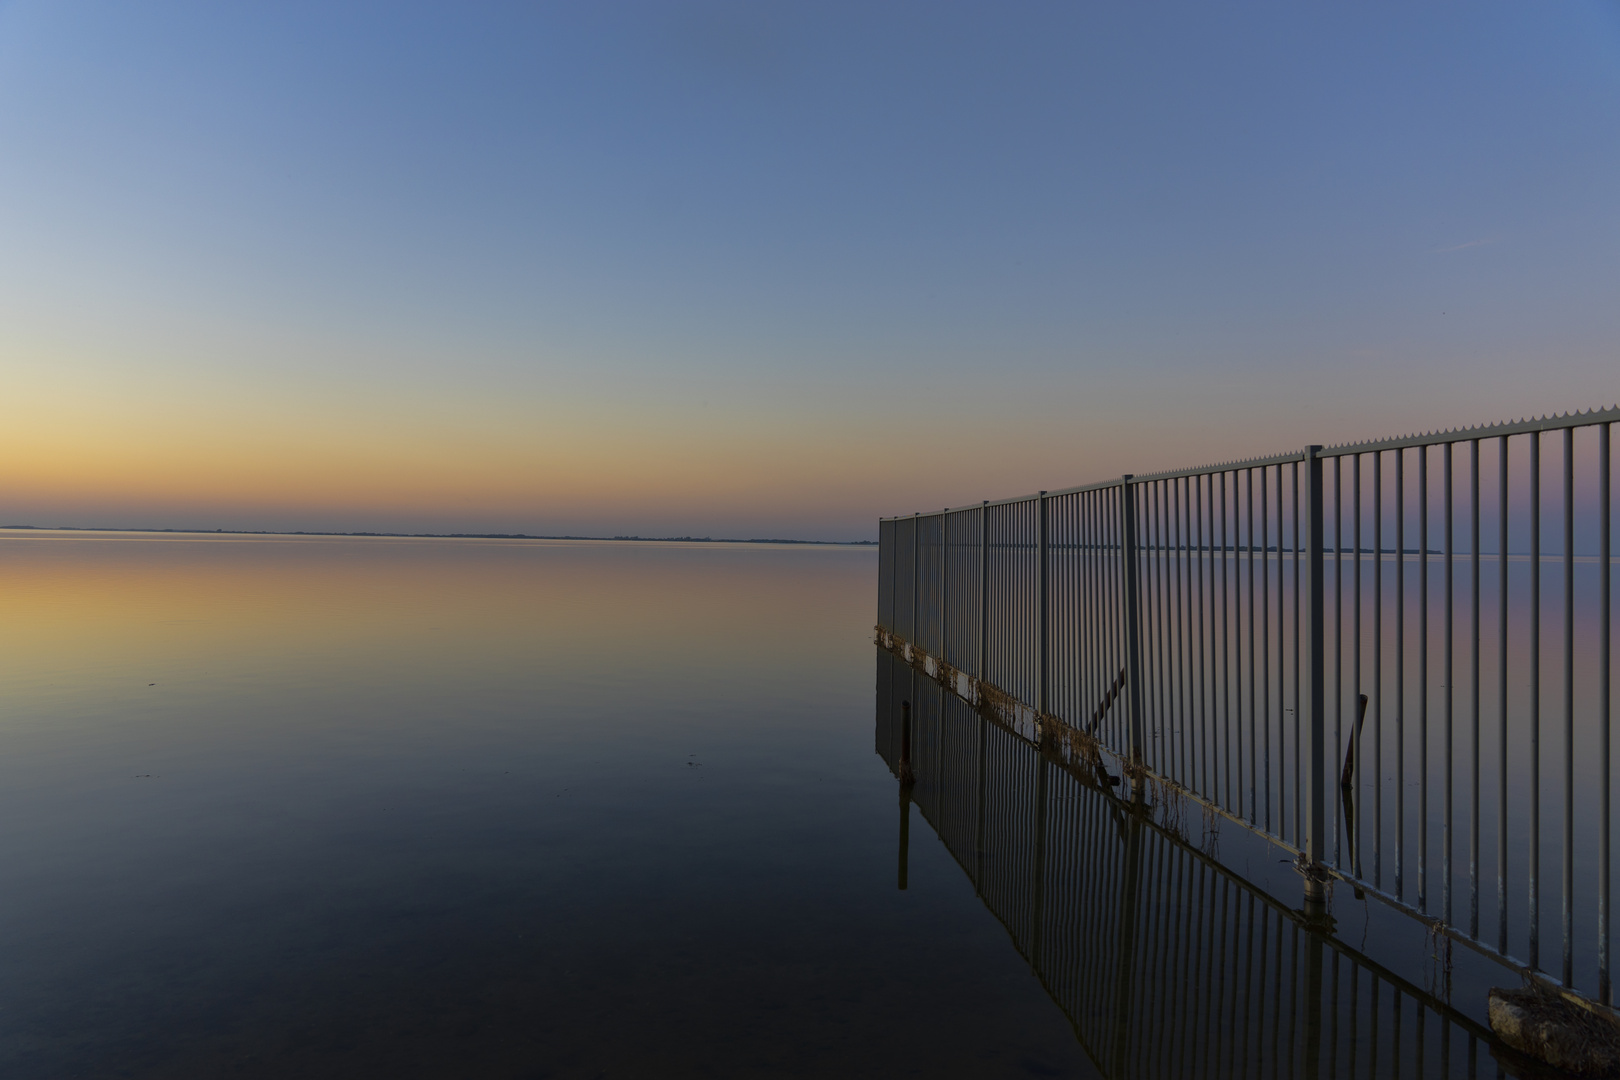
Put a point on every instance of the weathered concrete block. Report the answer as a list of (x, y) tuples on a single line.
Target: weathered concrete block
[(1546, 1026)]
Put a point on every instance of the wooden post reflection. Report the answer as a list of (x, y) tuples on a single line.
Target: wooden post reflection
[(906, 781), (1131, 889)]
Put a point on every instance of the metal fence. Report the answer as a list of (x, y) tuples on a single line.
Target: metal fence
[(1166, 963), (1426, 619)]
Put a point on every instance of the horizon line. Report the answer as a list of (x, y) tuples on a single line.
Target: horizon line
[(445, 536)]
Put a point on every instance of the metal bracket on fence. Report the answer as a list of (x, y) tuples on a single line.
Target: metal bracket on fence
[(1107, 702), (1347, 776)]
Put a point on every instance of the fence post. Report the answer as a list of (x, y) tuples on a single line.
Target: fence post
[(944, 579), (1045, 657), (1133, 612), (1312, 672), (984, 582), (915, 636)]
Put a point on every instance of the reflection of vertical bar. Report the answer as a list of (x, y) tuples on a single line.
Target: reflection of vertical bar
[(906, 779), (1038, 885), (1569, 706), (978, 842), (1126, 963), (905, 831), (1534, 914), (1355, 1014), (1501, 693), (1372, 1022), (1605, 557), (1473, 772)]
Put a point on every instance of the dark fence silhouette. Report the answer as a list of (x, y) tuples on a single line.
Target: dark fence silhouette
[(1426, 617)]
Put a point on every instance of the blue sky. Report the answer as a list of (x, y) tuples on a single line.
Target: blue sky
[(746, 268)]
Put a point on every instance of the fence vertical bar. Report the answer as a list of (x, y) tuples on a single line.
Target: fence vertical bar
[(1228, 704), (1253, 721), (1446, 815), (1378, 666), (1299, 809), (984, 581), (1355, 649), (1312, 670), (1502, 695), (1473, 772), (1132, 612), (1568, 877), (1605, 556), (916, 562), (1041, 607), (1423, 679), (944, 564), (1338, 634), (1534, 915), (1534, 698), (1400, 674)]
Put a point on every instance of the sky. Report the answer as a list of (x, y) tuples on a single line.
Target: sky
[(747, 269)]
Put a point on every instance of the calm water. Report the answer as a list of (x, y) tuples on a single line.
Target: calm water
[(310, 807)]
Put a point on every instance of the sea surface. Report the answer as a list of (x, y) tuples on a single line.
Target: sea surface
[(276, 806), (300, 806)]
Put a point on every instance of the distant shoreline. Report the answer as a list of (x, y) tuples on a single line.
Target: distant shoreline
[(447, 536)]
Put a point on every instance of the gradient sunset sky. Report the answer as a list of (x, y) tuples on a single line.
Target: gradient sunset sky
[(774, 269)]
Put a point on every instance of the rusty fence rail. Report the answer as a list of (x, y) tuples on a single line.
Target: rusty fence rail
[(1391, 658)]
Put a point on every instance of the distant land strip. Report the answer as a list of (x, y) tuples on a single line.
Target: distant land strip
[(455, 536)]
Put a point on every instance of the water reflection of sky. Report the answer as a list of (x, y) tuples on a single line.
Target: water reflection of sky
[(433, 808)]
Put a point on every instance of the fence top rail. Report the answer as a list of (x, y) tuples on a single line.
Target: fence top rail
[(1559, 422), (1483, 431)]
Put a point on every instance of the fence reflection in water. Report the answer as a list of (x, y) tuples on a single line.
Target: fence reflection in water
[(1167, 963)]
